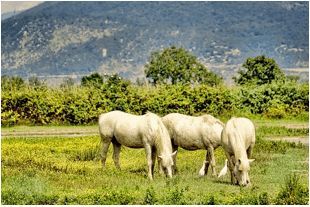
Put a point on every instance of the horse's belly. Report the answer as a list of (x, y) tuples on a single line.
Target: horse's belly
[(189, 144), (129, 141), (192, 147), (133, 144)]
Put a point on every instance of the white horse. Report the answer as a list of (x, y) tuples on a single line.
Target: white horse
[(238, 140), (133, 131), (193, 133)]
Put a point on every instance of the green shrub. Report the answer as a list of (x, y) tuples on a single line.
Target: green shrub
[(175, 196), (276, 110), (82, 105), (293, 192), (252, 199), (150, 196), (270, 146), (87, 154)]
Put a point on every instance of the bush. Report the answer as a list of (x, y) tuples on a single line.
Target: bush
[(82, 105), (150, 197), (175, 196), (252, 199), (293, 192)]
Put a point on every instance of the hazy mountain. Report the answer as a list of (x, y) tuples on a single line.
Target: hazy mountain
[(8, 15), (61, 38)]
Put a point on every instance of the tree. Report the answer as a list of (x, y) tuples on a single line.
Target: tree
[(176, 65), (115, 80), (259, 70), (92, 80)]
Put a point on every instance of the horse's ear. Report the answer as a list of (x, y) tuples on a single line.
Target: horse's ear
[(251, 160), (174, 153)]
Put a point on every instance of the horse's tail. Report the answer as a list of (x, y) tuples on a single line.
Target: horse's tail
[(105, 126)]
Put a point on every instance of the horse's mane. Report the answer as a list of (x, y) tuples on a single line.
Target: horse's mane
[(158, 129)]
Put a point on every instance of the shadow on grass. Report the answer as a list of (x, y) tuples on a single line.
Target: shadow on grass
[(225, 182), (138, 171)]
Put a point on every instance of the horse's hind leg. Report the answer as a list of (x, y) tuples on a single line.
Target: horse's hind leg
[(104, 151), (205, 165), (116, 152), (212, 160)]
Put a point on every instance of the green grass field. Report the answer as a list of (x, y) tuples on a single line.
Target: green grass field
[(67, 170)]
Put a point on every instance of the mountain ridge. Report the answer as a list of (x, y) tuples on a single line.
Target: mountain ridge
[(73, 38)]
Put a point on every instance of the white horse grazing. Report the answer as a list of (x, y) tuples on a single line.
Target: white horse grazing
[(238, 140), (133, 131), (193, 133)]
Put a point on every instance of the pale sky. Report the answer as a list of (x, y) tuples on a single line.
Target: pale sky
[(9, 6)]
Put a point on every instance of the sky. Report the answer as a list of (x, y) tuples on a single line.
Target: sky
[(10, 6)]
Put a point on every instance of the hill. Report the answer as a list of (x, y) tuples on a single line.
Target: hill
[(56, 39)]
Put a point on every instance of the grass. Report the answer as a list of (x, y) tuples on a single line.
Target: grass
[(279, 131), (62, 170)]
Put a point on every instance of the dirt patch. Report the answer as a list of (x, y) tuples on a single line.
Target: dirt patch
[(302, 140), (296, 126), (64, 133)]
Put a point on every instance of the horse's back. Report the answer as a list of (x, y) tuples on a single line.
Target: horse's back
[(190, 132), (236, 131), (130, 130), (181, 125)]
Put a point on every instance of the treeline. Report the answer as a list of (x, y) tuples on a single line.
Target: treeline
[(71, 104), (177, 82)]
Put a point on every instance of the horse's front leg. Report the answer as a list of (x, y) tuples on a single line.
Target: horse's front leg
[(148, 151), (154, 152), (231, 165), (175, 169), (160, 167), (249, 151)]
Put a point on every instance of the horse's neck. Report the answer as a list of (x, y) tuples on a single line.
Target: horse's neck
[(239, 148)]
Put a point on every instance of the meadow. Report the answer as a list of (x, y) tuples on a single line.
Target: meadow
[(50, 144), (63, 169)]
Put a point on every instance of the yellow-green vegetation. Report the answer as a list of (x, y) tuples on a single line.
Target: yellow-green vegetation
[(67, 170)]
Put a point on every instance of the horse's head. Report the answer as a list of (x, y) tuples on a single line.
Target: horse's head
[(166, 162), (241, 171)]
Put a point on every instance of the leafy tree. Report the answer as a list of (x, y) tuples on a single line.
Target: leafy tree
[(259, 70), (176, 65), (92, 80)]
